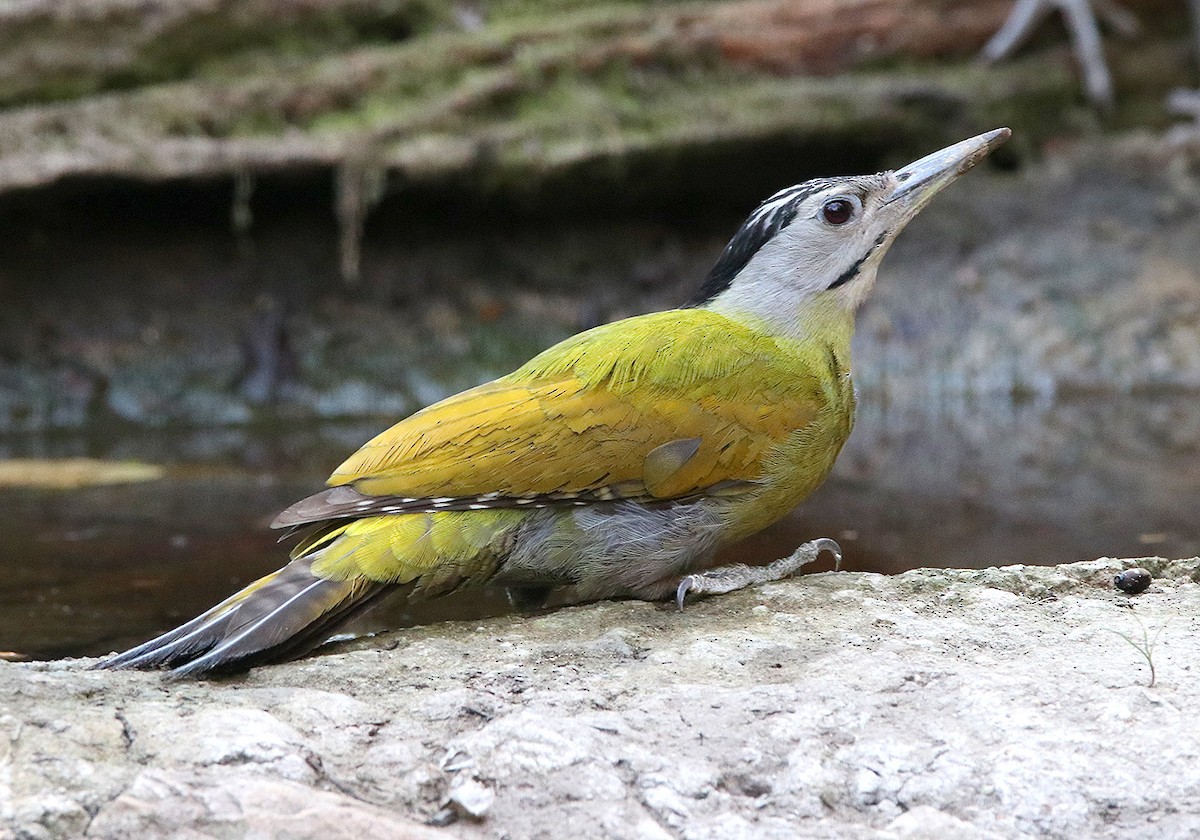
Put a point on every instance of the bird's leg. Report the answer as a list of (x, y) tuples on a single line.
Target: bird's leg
[(738, 576)]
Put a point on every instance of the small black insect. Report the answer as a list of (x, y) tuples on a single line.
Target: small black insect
[(1133, 581)]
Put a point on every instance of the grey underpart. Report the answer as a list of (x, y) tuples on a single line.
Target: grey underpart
[(614, 549), (1083, 29), (731, 578)]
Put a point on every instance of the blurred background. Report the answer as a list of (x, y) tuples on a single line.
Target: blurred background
[(237, 239)]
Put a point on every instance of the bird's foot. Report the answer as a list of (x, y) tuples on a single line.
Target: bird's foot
[(738, 576)]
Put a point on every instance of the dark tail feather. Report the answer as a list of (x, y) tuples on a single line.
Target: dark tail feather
[(283, 615)]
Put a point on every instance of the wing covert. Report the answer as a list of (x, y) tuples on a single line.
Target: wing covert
[(664, 405)]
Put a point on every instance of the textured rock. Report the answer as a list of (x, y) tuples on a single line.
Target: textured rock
[(1000, 703), (168, 804)]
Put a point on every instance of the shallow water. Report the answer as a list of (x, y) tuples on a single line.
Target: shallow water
[(955, 483)]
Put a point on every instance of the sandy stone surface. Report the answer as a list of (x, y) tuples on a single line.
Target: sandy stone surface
[(999, 703)]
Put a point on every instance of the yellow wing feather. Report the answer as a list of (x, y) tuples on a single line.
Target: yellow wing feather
[(585, 414)]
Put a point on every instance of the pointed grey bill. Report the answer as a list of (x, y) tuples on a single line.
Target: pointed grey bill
[(922, 179)]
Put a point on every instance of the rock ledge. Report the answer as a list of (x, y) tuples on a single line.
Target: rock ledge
[(937, 703)]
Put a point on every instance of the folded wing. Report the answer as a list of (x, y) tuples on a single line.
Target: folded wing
[(657, 408)]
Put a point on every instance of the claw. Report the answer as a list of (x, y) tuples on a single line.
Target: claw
[(826, 544), (685, 586)]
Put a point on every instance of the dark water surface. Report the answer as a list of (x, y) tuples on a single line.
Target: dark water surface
[(930, 482)]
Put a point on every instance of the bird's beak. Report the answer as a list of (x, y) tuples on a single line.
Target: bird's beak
[(918, 182)]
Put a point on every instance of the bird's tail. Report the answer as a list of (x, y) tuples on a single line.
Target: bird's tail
[(278, 617)]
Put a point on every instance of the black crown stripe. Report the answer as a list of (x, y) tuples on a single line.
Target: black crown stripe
[(763, 225)]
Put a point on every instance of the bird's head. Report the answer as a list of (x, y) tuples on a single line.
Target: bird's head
[(816, 246)]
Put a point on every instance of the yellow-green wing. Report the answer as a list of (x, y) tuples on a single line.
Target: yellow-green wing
[(664, 405)]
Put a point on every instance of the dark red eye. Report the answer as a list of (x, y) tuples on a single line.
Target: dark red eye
[(837, 211)]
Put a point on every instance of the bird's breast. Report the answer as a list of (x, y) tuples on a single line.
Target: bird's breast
[(796, 466)]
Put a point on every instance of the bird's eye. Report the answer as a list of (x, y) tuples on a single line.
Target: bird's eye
[(837, 211)]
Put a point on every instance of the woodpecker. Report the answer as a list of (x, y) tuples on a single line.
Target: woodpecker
[(617, 462)]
